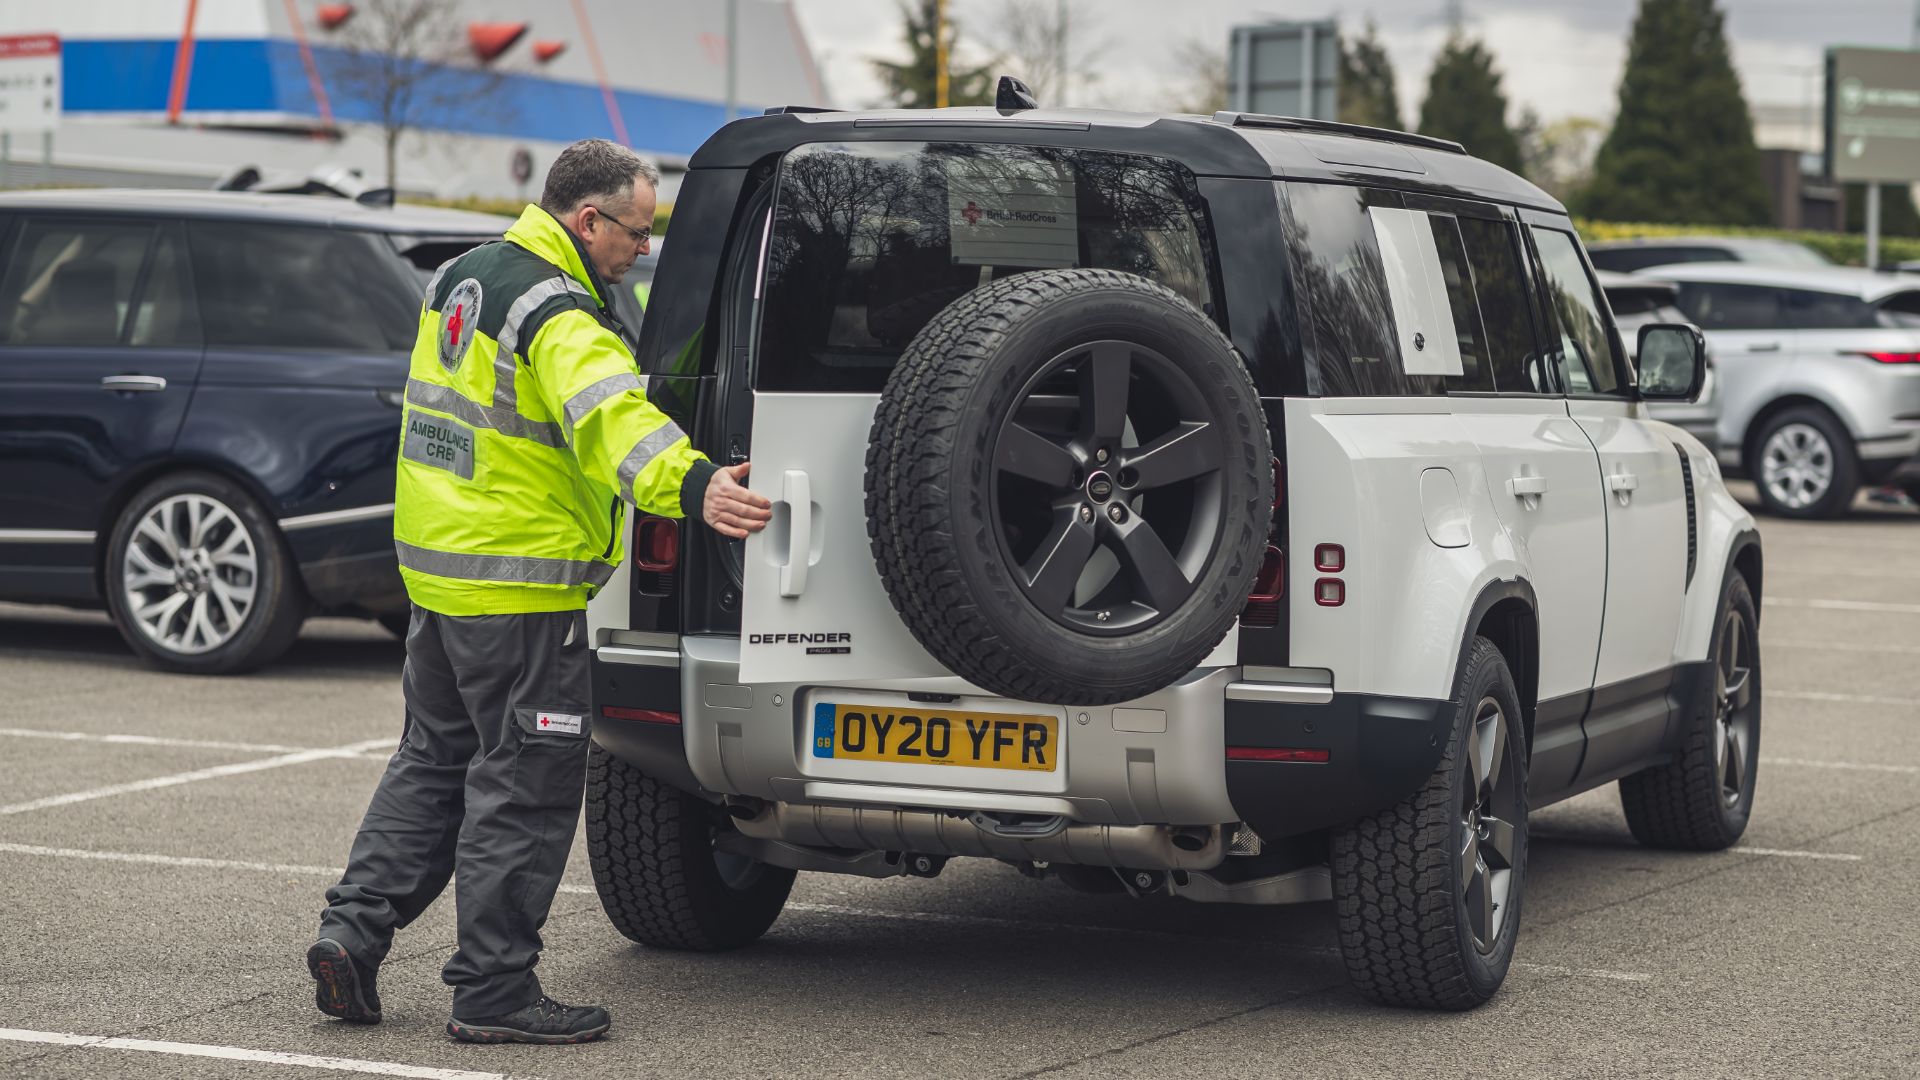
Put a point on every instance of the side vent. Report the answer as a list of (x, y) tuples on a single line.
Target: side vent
[(1693, 516)]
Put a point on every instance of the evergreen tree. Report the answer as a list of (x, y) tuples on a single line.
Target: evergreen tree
[(1367, 94), (1681, 149), (1465, 103), (910, 85)]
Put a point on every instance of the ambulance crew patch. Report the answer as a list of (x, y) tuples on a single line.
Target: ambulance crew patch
[(457, 321)]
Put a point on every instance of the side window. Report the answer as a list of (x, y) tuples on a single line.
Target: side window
[(871, 240), (1583, 349), (266, 285), (1493, 255), (1807, 310), (1900, 310), (1476, 365), (1346, 308), (164, 312), (72, 282), (1732, 307)]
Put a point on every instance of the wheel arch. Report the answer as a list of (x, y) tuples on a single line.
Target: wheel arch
[(1506, 613), (138, 478), (1797, 400)]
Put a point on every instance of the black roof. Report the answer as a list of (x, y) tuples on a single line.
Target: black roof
[(251, 206), (1225, 144)]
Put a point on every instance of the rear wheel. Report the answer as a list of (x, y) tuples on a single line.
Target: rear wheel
[(660, 880), (1804, 464), (1428, 892), (197, 579), (1702, 799)]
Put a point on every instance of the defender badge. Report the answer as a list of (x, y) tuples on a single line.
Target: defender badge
[(458, 318)]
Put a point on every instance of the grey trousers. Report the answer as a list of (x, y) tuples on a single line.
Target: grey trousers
[(485, 787)]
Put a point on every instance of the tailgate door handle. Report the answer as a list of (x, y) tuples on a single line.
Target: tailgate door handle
[(797, 493), (134, 383)]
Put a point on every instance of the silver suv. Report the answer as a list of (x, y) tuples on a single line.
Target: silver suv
[(1820, 377), (1639, 301)]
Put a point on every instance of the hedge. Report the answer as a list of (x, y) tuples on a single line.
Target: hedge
[(1846, 248)]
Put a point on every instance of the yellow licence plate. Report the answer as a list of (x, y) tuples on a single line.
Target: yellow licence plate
[(928, 736)]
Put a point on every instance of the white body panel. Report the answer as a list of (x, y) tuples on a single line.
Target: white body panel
[(1646, 533), (1558, 534)]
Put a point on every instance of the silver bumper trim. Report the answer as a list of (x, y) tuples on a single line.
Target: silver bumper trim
[(632, 654), (1277, 693)]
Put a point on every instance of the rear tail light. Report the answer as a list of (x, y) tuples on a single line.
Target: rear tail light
[(1892, 357), (1329, 558), (1329, 592), (1308, 755), (1269, 585), (650, 716), (656, 542)]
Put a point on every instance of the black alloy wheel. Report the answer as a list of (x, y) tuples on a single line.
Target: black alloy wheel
[(1489, 806), (1111, 522)]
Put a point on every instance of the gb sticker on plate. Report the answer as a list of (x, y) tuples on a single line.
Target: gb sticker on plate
[(558, 723)]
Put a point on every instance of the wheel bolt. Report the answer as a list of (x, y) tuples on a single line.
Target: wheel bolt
[(1116, 513), (1100, 455), (1086, 513)]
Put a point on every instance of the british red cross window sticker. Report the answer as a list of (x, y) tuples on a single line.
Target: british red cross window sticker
[(459, 316)]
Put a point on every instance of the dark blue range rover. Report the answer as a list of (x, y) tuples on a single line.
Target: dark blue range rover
[(199, 409)]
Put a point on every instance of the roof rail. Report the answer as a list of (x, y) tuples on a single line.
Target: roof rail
[(779, 109), (1331, 127)]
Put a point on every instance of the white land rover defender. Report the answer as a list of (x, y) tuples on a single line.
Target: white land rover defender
[(1251, 509)]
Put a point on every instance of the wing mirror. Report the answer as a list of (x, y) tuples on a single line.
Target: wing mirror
[(1672, 361)]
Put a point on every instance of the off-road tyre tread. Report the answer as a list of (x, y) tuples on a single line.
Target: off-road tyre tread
[(657, 889), (1677, 806), (906, 489), (1394, 899)]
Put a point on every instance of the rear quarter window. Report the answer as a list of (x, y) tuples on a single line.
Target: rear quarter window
[(270, 285), (871, 240)]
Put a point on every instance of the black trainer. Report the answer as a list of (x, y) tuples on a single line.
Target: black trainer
[(544, 1021), (342, 989)]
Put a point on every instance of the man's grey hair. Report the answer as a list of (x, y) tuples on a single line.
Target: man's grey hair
[(594, 171)]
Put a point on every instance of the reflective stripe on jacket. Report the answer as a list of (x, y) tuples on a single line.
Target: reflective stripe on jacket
[(526, 426)]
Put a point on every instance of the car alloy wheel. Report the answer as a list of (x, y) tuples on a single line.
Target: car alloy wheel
[(1733, 706), (190, 574), (1796, 465), (1074, 513), (1486, 837)]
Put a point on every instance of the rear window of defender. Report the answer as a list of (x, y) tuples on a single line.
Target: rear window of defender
[(871, 240)]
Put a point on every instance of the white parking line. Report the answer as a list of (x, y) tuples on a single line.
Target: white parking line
[(1842, 605), (235, 1053), (149, 740), (1834, 856), (1849, 699), (1835, 646), (795, 906), (301, 758), (1859, 766)]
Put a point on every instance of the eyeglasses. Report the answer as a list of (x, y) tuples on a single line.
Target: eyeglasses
[(642, 235)]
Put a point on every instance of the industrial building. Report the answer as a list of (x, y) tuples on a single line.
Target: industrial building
[(183, 93)]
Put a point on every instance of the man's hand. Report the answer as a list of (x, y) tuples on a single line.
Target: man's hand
[(731, 509)]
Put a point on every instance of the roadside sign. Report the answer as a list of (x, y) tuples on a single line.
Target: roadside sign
[(1285, 68), (1873, 114), (29, 82)]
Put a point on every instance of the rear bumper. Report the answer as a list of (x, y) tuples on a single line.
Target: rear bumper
[(1159, 760)]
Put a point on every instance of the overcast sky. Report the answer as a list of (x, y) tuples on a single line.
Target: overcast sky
[(1563, 57)]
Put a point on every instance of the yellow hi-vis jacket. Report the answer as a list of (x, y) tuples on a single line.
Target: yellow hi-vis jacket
[(526, 425)]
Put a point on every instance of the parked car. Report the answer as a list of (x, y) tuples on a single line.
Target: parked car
[(1629, 256), (1638, 301), (1819, 376), (1244, 509), (199, 409)]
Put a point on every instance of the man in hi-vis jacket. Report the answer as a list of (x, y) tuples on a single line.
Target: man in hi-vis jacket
[(526, 431)]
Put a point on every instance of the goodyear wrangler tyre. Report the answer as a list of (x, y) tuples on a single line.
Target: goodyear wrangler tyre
[(1069, 486)]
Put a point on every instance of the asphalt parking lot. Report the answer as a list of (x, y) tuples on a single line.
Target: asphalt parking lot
[(164, 842)]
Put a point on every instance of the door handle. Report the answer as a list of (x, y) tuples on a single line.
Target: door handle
[(1765, 346), (1528, 488), (1623, 484), (134, 383), (797, 493)]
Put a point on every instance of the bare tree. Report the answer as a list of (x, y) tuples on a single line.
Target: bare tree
[(1051, 45), (407, 60), (1202, 73)]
